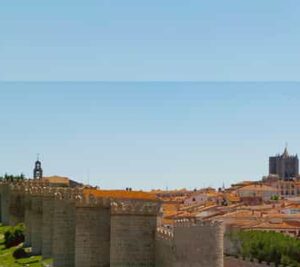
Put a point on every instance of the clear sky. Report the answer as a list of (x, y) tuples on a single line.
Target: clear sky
[(148, 135), (153, 134), (149, 40)]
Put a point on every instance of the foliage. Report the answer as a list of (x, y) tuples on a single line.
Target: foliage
[(275, 197), (268, 246), (14, 236), (8, 260), (9, 177), (20, 253)]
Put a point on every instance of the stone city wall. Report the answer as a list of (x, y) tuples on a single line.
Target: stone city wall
[(190, 244), (79, 230), (92, 247), (47, 223), (5, 200), (27, 219), (64, 230), (235, 262), (16, 204), (133, 226), (36, 223)]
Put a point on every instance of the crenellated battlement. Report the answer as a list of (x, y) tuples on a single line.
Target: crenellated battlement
[(27, 182), (126, 207), (106, 227), (194, 222), (164, 233), (91, 201)]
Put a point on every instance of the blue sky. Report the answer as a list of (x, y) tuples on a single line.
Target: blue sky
[(148, 135), (149, 40)]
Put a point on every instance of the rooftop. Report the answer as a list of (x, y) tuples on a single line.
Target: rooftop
[(121, 194), (255, 187), (56, 179)]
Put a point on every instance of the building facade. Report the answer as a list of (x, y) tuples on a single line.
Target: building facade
[(257, 191), (285, 166)]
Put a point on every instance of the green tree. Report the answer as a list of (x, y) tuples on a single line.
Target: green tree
[(268, 246)]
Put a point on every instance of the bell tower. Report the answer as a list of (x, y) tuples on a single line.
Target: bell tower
[(37, 171)]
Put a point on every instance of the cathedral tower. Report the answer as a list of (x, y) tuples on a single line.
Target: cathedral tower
[(285, 166)]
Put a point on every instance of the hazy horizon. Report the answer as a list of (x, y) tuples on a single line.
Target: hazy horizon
[(148, 135)]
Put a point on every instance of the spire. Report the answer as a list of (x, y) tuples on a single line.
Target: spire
[(285, 152)]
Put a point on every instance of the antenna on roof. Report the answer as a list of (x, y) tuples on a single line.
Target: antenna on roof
[(38, 156)]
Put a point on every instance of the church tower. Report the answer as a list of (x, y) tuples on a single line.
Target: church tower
[(285, 166), (37, 171)]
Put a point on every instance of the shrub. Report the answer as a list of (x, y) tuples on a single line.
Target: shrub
[(20, 253), (14, 236), (268, 246)]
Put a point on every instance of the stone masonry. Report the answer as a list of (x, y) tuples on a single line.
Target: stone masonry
[(64, 230), (27, 219), (48, 223), (79, 230), (190, 244), (36, 223), (92, 247), (5, 203), (133, 226), (16, 204)]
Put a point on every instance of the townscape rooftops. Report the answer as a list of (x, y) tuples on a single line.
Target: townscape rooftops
[(243, 183), (232, 197), (255, 187), (278, 225), (157, 191), (57, 179), (121, 194)]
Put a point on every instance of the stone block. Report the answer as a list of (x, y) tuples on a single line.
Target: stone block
[(92, 239)]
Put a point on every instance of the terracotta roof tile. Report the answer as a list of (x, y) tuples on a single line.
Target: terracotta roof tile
[(122, 194)]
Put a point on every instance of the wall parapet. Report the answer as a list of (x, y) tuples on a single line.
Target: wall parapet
[(123, 229), (164, 233), (194, 222), (134, 207), (92, 201)]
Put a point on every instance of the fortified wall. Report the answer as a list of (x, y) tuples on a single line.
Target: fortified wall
[(85, 228), (235, 262), (190, 243)]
